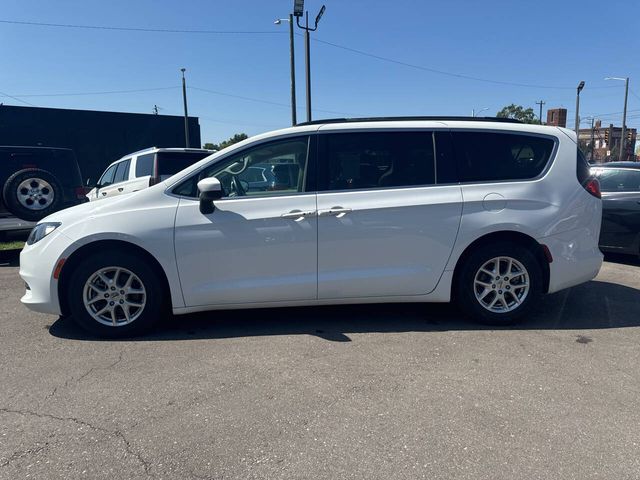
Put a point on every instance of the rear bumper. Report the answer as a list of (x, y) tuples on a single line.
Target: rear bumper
[(576, 258)]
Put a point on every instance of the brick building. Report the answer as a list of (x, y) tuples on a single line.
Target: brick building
[(557, 117), (606, 142)]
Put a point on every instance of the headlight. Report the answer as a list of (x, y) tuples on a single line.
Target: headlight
[(40, 231)]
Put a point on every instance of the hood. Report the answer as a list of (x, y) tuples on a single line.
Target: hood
[(88, 210)]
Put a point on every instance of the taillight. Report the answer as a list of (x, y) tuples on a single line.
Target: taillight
[(592, 185)]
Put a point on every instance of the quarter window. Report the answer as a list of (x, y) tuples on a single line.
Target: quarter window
[(276, 168), (492, 156), (377, 160)]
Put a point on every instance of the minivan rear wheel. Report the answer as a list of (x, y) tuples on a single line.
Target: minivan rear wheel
[(115, 295), (499, 283)]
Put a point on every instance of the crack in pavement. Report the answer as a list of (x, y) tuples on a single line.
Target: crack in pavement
[(117, 433), (85, 374), (24, 453)]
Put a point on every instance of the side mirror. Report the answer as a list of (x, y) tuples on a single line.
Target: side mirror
[(210, 190)]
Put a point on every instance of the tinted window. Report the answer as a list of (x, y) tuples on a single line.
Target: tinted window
[(582, 168), (170, 163), (614, 180), (122, 172), (490, 156), (377, 159), (286, 161), (107, 176), (144, 165)]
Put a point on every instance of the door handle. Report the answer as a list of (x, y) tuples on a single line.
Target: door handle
[(334, 211), (120, 189), (103, 193), (297, 215)]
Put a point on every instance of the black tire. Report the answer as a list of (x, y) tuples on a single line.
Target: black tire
[(11, 194), (465, 288), (154, 304)]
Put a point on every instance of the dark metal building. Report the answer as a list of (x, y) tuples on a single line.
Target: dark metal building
[(98, 138)]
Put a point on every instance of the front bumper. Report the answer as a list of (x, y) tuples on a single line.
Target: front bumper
[(37, 263)]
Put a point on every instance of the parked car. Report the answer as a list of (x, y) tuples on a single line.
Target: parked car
[(143, 169), (490, 214), (620, 185), (37, 181)]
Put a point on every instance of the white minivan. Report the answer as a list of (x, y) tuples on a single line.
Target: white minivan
[(487, 212), (143, 169)]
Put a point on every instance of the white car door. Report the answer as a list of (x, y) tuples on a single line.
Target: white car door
[(140, 172), (255, 246), (105, 187), (385, 228)]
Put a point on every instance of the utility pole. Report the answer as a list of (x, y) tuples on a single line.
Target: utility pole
[(297, 12), (541, 103), (292, 66), (592, 146), (578, 90), (186, 114)]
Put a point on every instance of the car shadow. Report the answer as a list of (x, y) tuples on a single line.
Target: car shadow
[(594, 305)]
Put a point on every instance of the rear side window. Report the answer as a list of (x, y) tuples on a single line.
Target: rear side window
[(122, 172), (619, 180), (144, 165), (170, 163), (582, 168), (493, 156), (377, 160)]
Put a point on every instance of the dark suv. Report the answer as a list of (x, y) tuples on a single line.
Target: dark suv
[(37, 181)]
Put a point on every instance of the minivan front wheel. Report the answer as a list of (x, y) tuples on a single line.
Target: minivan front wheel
[(499, 283), (115, 295)]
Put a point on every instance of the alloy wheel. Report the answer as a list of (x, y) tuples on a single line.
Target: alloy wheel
[(501, 284)]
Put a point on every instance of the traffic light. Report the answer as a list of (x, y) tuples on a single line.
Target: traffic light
[(606, 137), (629, 135)]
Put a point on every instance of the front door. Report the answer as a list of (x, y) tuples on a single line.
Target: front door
[(385, 228), (259, 245)]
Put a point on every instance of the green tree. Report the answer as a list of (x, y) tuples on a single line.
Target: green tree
[(238, 137), (518, 112)]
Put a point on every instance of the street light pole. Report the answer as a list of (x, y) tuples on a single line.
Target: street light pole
[(186, 114), (623, 149), (624, 115), (474, 113), (579, 89), (292, 62), (298, 6)]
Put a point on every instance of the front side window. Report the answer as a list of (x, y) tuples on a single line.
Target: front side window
[(107, 176), (377, 160), (275, 168), (170, 163), (144, 165), (619, 180), (494, 156)]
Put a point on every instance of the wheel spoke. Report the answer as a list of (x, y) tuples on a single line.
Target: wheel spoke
[(106, 280), (113, 316), (95, 288)]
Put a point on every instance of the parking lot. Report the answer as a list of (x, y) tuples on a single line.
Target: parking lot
[(408, 391)]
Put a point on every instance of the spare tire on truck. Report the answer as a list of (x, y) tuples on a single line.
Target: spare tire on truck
[(32, 194)]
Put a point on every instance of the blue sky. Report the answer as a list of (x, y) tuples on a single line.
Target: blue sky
[(543, 44)]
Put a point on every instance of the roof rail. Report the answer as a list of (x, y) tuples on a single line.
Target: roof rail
[(408, 119)]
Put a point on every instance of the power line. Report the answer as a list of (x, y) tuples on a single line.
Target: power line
[(144, 29), (275, 32), (17, 99), (27, 95), (268, 102), (442, 72)]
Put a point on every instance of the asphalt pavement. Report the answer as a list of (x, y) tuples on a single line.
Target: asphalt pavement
[(357, 392)]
